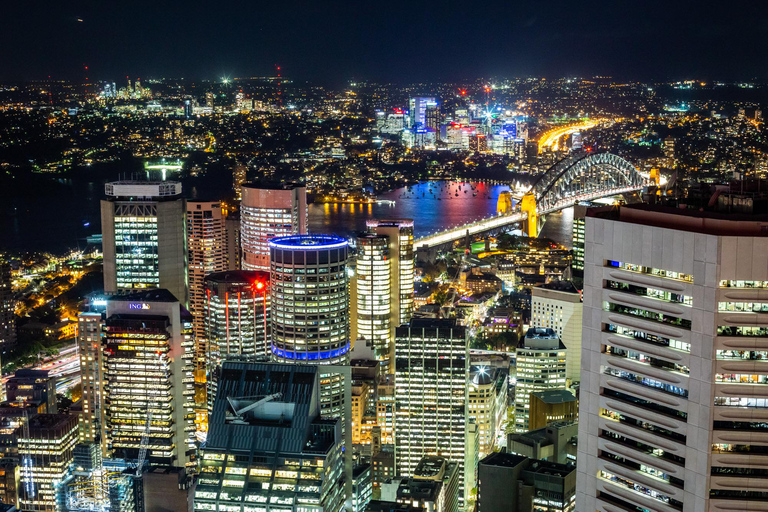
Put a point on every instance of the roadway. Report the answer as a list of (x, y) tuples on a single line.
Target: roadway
[(552, 137), (65, 367)]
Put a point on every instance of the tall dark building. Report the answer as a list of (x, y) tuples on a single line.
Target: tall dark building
[(7, 308), (33, 386), (267, 447)]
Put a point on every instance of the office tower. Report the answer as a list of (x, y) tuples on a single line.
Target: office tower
[(148, 384), (478, 142), (310, 307), (207, 245), (434, 487), (417, 110), (9, 482), (513, 483), (362, 487), (579, 214), (232, 226), (266, 213), (555, 442), (239, 173), (431, 371), (432, 119), (268, 446), (89, 332), (236, 322), (487, 406), (674, 358), (557, 305), (551, 405), (7, 310), (576, 141), (188, 108), (384, 285), (94, 484), (34, 387), (45, 449), (668, 147), (541, 366), (144, 237), (209, 97)]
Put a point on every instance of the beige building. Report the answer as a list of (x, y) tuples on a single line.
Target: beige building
[(674, 389), (487, 404), (557, 305), (550, 406)]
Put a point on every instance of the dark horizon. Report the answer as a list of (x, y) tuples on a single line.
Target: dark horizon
[(396, 41)]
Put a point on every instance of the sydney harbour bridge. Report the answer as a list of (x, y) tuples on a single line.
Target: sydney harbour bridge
[(575, 178)]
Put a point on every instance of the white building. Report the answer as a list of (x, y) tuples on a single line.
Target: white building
[(674, 389), (487, 404), (557, 306), (540, 362)]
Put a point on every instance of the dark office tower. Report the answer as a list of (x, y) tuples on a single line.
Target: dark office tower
[(310, 307), (432, 118), (207, 245), (148, 391), (268, 448), (236, 322), (7, 308), (144, 237), (431, 374), (33, 386)]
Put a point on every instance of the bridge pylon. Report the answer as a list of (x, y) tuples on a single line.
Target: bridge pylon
[(528, 205)]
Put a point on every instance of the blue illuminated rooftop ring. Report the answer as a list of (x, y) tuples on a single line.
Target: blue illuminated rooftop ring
[(308, 242)]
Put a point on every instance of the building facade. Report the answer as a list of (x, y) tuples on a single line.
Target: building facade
[(309, 296), (148, 378), (431, 373), (487, 404), (266, 213), (207, 246), (674, 380), (558, 305), (89, 333), (144, 238), (7, 309), (541, 365)]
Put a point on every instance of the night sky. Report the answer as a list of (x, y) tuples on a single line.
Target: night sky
[(333, 41)]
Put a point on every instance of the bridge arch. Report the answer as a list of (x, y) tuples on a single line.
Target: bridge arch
[(579, 177)]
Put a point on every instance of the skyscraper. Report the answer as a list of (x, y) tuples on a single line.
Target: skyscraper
[(89, 332), (144, 237), (310, 307), (266, 213), (384, 285), (674, 385), (417, 110), (236, 322), (7, 309), (541, 365), (148, 388), (558, 305), (268, 446), (207, 246), (431, 373)]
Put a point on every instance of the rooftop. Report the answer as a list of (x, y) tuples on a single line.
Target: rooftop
[(505, 460), (554, 396), (153, 295), (308, 242), (543, 467), (244, 277), (560, 286)]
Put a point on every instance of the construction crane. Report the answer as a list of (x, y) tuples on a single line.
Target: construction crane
[(145, 434), (237, 413)]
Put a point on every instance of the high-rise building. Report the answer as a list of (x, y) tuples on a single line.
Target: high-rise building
[(236, 322), (207, 246), (89, 332), (239, 174), (268, 446), (674, 386), (7, 310), (309, 297), (557, 305), (383, 285), (144, 237), (45, 449), (540, 362), (579, 214), (487, 404), (513, 483), (148, 385), (266, 213), (34, 387), (431, 372), (434, 487), (417, 110), (551, 405)]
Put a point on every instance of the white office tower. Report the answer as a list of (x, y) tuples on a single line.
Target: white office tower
[(674, 388), (417, 110), (383, 286), (266, 213), (540, 363), (144, 237), (431, 374), (557, 305)]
